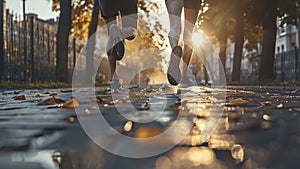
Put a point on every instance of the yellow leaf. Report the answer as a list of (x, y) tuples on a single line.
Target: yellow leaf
[(73, 103), (49, 101), (238, 101), (267, 103), (66, 91), (21, 97), (53, 94)]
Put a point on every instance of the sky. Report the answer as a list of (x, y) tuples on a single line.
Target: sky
[(40, 7)]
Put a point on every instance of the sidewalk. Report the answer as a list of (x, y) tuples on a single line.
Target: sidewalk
[(259, 128)]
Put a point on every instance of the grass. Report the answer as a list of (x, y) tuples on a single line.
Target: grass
[(264, 83), (14, 85), (53, 85)]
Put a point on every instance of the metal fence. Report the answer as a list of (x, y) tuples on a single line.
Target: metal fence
[(287, 65), (30, 49)]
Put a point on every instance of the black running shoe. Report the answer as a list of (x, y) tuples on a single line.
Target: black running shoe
[(118, 48), (174, 74)]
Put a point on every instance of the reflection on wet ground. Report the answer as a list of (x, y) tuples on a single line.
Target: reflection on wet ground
[(259, 127)]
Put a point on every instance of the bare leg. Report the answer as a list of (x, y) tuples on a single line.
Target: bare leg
[(174, 8), (190, 17), (109, 45), (129, 26), (129, 12)]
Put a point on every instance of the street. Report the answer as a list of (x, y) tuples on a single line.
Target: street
[(259, 128)]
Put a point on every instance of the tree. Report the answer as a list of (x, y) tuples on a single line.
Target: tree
[(218, 23), (288, 11), (269, 39), (76, 16), (239, 40), (230, 19), (91, 42), (82, 13), (64, 27), (1, 42), (253, 23), (81, 16)]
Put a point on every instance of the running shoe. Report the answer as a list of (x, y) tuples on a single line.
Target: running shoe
[(118, 48)]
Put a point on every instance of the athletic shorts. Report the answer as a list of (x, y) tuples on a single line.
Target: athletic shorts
[(192, 4), (110, 8)]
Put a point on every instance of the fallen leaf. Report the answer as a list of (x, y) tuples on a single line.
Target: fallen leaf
[(207, 91), (97, 99), (238, 101), (295, 91), (267, 103), (59, 101), (21, 97), (49, 101), (53, 94), (39, 95), (73, 103), (66, 91)]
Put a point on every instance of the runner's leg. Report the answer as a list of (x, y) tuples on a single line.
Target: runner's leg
[(191, 15), (174, 8), (129, 12), (109, 11)]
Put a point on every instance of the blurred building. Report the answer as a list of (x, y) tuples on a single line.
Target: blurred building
[(249, 63), (40, 35), (287, 52), (286, 56), (30, 52), (287, 37)]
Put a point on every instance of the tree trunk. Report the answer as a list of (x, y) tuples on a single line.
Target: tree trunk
[(64, 27), (91, 43), (239, 42), (1, 41), (269, 38)]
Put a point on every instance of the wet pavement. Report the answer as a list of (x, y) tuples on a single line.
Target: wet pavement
[(259, 127)]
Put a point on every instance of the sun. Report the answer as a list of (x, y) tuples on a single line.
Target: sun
[(198, 38)]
